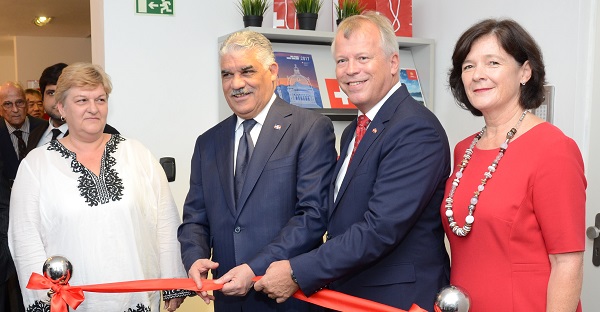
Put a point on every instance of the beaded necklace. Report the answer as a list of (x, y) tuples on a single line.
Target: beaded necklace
[(463, 231)]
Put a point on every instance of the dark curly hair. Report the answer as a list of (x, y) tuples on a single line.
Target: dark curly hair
[(515, 41)]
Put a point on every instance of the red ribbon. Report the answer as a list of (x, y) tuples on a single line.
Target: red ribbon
[(72, 296)]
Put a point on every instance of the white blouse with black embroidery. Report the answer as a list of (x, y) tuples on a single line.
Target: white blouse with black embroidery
[(118, 226)]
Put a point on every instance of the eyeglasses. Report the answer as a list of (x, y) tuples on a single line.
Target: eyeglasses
[(8, 104)]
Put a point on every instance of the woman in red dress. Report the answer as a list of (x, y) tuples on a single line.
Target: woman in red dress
[(514, 207)]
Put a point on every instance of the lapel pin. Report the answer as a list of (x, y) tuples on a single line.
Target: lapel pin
[(374, 130), (277, 127)]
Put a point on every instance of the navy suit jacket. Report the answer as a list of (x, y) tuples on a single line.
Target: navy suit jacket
[(10, 158), (282, 207), (7, 267), (9, 163), (385, 239)]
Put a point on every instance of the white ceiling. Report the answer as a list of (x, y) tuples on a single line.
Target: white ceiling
[(71, 18)]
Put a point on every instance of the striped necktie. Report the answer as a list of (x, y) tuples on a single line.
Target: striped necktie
[(245, 149), (22, 147)]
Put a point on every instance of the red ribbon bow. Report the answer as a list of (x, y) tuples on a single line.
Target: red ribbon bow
[(72, 296)]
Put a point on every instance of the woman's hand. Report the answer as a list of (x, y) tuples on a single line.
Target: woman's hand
[(173, 304)]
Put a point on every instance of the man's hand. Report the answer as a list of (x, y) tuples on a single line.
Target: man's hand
[(199, 271), (173, 304), (238, 281), (277, 282)]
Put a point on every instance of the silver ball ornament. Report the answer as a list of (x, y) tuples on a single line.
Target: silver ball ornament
[(58, 269), (452, 299)]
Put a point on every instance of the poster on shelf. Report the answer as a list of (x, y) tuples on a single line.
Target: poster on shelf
[(410, 78), (297, 80), (284, 14), (337, 98), (398, 11)]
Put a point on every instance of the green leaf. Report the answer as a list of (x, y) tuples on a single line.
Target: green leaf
[(253, 7), (308, 6), (348, 8)]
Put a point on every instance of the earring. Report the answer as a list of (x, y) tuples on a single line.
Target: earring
[(62, 118), (523, 83)]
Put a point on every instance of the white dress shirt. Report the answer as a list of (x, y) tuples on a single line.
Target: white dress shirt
[(239, 129), (47, 136), (371, 115)]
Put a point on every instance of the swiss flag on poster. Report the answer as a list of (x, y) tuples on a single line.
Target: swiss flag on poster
[(411, 74), (337, 97), (284, 14)]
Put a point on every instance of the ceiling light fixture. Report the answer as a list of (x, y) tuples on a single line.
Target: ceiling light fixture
[(42, 20)]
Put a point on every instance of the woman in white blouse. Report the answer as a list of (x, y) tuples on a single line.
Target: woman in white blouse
[(100, 200)]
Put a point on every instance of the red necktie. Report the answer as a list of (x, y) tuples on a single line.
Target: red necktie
[(361, 129)]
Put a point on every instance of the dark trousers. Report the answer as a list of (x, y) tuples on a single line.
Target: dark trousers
[(11, 299)]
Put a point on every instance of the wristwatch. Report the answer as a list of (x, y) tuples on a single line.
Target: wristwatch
[(293, 276)]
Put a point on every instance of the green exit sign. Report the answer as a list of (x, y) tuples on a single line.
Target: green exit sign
[(160, 7)]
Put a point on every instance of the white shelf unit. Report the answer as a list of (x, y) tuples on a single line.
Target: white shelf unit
[(415, 53)]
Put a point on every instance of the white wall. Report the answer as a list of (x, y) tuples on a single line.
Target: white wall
[(34, 54), (561, 30), (23, 58), (7, 59), (165, 72), (591, 273)]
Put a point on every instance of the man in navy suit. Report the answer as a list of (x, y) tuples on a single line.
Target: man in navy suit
[(385, 240), (14, 120), (10, 293), (281, 208)]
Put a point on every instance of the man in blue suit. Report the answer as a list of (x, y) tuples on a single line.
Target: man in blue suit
[(280, 211), (15, 126), (385, 240), (15, 120)]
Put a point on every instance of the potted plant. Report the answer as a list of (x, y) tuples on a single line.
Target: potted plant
[(346, 8), (307, 12), (252, 11)]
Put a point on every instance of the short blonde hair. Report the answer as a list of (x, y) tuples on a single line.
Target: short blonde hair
[(387, 37), (81, 75)]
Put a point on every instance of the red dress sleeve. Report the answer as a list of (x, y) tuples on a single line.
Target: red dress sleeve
[(559, 196)]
